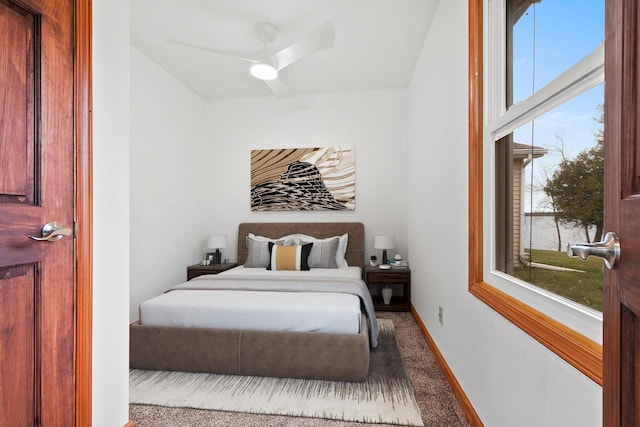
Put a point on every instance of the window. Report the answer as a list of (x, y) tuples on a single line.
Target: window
[(535, 99)]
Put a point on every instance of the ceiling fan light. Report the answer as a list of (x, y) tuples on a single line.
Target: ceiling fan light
[(263, 71)]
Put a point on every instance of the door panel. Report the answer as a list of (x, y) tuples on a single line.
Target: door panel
[(18, 333), (19, 64), (36, 186), (629, 334), (630, 277)]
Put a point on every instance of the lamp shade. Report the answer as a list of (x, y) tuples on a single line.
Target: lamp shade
[(217, 241), (384, 242)]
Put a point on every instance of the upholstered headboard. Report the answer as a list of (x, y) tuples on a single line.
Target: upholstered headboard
[(355, 245)]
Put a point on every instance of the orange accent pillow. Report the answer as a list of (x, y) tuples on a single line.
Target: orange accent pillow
[(294, 257)]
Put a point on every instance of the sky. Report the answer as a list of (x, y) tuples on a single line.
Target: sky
[(549, 38)]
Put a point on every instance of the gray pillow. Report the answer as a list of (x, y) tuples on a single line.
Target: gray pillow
[(323, 254), (257, 253)]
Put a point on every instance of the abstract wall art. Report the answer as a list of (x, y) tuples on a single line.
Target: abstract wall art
[(303, 179)]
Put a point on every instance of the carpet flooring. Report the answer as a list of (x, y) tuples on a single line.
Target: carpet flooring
[(437, 403)]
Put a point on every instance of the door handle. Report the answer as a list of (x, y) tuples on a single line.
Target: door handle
[(51, 232), (608, 249)]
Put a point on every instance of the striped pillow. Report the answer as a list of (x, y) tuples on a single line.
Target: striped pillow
[(293, 257), (323, 254), (258, 251)]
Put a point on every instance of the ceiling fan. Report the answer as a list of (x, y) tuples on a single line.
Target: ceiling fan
[(266, 65)]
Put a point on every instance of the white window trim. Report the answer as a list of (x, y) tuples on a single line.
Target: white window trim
[(584, 75)]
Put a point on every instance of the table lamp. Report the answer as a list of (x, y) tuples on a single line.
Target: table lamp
[(217, 242), (384, 243)]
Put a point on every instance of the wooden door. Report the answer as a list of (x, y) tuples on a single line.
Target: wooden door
[(37, 295), (622, 214)]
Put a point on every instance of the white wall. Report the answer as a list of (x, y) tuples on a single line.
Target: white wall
[(510, 378), (110, 386), (167, 189), (371, 121)]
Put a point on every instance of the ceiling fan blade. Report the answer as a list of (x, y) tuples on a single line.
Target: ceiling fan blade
[(319, 39), (278, 88), (244, 56)]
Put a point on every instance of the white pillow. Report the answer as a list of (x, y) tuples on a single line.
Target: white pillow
[(342, 251), (260, 238)]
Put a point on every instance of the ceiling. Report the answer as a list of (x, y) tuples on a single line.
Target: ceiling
[(376, 46)]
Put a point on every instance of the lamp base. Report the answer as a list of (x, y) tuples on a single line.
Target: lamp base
[(384, 256), (387, 293), (215, 257)]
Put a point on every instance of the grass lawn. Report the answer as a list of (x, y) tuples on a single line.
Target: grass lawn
[(584, 288)]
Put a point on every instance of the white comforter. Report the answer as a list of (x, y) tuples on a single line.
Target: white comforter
[(321, 300)]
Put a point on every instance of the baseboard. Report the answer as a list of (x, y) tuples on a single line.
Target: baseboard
[(468, 409)]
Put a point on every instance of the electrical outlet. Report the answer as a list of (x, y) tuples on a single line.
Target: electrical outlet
[(440, 315)]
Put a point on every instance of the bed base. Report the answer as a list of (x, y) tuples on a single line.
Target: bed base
[(310, 355)]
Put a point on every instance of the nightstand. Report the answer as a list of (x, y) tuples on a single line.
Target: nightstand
[(400, 281), (198, 270)]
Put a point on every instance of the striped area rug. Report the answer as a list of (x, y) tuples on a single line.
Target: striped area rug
[(386, 397)]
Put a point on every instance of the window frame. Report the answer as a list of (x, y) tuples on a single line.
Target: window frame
[(536, 312)]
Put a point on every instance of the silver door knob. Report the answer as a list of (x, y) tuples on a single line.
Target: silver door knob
[(51, 232), (608, 249)]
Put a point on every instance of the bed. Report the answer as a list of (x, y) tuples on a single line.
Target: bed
[(276, 328)]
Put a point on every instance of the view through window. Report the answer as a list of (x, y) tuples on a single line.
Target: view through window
[(549, 170)]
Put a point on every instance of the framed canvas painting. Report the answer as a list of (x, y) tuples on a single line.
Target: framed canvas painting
[(303, 179)]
